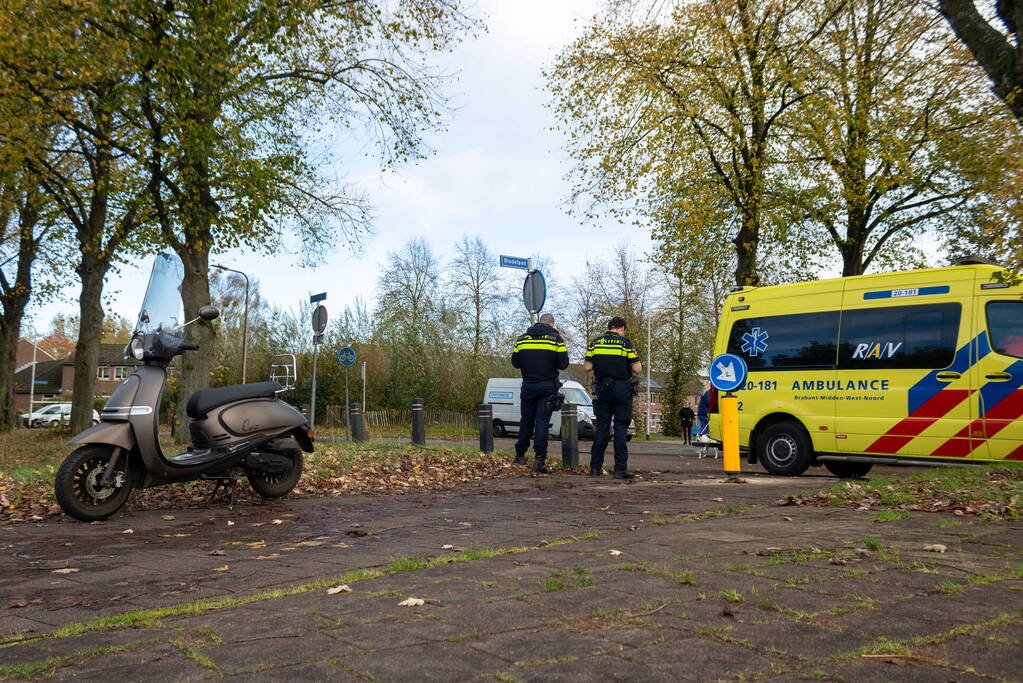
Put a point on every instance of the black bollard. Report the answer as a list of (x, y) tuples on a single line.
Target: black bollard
[(357, 419), (486, 413), (569, 436), (419, 421)]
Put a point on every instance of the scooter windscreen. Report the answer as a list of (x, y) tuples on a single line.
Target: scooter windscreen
[(158, 333)]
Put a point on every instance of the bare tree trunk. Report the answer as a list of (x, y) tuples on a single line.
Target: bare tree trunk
[(195, 365), (90, 335), (746, 242), (10, 331), (1000, 59), (15, 297)]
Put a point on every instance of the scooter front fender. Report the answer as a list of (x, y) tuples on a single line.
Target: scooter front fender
[(112, 433)]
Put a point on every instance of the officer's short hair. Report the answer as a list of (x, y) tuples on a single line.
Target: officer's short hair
[(547, 319), (616, 323)]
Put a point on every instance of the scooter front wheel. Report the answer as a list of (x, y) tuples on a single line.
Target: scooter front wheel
[(278, 485), (78, 487)]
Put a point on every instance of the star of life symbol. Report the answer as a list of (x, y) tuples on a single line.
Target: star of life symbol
[(754, 342)]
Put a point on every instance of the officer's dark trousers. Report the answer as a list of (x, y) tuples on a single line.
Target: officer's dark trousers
[(614, 401), (687, 432), (535, 417)]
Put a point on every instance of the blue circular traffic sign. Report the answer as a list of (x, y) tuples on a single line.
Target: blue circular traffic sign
[(728, 372), (346, 356)]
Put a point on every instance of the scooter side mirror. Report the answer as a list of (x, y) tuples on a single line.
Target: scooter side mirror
[(209, 313)]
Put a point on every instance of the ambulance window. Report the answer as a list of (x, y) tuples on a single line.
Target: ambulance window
[(1005, 327), (786, 342), (899, 337)]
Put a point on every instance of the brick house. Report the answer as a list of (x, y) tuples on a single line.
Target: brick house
[(55, 379)]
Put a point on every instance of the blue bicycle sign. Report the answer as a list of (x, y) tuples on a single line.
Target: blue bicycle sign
[(346, 356)]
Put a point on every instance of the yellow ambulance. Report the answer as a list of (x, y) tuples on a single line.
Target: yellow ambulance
[(922, 365)]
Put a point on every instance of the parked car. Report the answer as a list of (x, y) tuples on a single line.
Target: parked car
[(503, 394), (52, 415)]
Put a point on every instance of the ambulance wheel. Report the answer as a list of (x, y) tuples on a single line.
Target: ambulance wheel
[(499, 429), (784, 449), (848, 470)]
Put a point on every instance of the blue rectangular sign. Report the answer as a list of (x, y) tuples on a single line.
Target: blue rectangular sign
[(322, 296), (514, 262), (912, 291)]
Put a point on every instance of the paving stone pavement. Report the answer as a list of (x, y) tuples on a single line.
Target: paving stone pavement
[(675, 576)]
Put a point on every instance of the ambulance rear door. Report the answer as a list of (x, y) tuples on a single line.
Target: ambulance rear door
[(1000, 373), (904, 365)]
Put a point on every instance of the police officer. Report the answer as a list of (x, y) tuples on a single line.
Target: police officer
[(612, 360), (540, 353)]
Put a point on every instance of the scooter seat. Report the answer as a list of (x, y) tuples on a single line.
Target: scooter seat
[(205, 400)]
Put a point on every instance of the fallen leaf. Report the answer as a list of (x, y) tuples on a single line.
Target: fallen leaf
[(230, 523), (257, 544), (718, 500), (14, 604), (447, 547), (65, 570), (268, 557), (222, 569), (216, 552), (128, 531), (278, 521), (308, 543), (935, 548), (838, 560), (787, 519), (614, 552), (412, 602), (167, 517), (343, 588)]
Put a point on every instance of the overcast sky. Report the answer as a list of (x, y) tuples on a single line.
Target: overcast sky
[(497, 171)]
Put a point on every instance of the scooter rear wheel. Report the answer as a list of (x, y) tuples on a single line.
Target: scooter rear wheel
[(77, 484), (277, 485)]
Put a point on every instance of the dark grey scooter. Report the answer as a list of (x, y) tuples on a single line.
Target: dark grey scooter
[(242, 430)]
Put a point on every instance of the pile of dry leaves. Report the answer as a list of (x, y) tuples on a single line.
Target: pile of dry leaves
[(994, 491), (332, 472)]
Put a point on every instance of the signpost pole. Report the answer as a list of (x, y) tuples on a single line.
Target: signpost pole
[(348, 410), (649, 356), (532, 314), (319, 323), (32, 385), (312, 401), (728, 372)]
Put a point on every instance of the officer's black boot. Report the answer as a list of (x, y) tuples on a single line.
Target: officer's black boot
[(540, 465), (520, 459), (624, 474)]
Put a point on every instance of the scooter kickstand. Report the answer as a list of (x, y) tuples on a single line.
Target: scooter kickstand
[(232, 485)]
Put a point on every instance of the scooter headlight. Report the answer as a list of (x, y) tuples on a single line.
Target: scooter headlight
[(136, 348)]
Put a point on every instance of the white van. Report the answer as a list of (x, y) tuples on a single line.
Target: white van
[(503, 394)]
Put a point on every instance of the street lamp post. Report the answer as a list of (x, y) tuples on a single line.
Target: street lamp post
[(649, 363), (245, 319)]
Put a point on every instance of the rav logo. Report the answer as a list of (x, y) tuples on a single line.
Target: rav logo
[(876, 350), (248, 427)]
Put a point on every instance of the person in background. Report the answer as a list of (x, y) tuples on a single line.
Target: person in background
[(539, 353), (703, 412), (686, 416)]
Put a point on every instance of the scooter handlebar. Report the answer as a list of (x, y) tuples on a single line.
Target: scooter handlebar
[(189, 347)]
